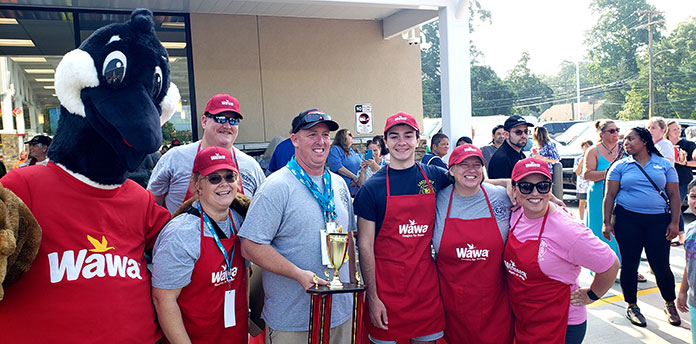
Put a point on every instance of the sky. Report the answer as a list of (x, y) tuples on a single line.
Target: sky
[(550, 30)]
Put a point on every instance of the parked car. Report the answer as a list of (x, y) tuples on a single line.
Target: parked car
[(569, 145), (558, 127)]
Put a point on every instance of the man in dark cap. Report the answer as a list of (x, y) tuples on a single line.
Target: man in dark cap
[(281, 233), (38, 146), (510, 152)]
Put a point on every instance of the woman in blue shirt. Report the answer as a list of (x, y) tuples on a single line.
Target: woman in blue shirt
[(643, 218), (545, 149), (344, 161)]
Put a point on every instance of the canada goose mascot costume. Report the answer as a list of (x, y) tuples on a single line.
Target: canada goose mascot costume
[(89, 282)]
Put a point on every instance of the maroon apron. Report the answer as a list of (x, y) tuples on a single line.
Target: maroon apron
[(201, 301), (472, 280), (539, 304), (240, 188), (404, 269)]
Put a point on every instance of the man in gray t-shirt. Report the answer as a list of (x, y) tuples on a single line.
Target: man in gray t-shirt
[(171, 176), (281, 234)]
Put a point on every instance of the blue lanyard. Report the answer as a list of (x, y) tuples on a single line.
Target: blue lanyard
[(325, 199), (228, 259)]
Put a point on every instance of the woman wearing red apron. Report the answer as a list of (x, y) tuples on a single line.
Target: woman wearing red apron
[(200, 289), (469, 239), (543, 256)]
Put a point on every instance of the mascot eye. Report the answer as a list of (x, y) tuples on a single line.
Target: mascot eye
[(114, 70), (157, 82)]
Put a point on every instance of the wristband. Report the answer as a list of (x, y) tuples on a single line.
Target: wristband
[(592, 295)]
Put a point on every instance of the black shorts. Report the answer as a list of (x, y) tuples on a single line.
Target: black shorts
[(580, 196)]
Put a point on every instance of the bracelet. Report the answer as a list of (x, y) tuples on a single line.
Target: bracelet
[(592, 295)]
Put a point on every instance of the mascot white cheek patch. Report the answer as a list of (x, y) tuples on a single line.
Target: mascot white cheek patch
[(75, 72), (169, 103)]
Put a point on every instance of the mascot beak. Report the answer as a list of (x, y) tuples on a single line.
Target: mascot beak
[(127, 118)]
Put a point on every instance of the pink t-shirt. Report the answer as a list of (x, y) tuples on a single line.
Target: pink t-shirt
[(566, 246)]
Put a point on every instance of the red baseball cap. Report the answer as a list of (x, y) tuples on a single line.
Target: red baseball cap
[(463, 152), (529, 166), (213, 159), (401, 118), (223, 102)]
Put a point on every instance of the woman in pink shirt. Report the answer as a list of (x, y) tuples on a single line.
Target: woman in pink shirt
[(545, 251)]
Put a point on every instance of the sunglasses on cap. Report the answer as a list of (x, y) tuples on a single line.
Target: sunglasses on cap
[(222, 119), (526, 187), (216, 178), (314, 117)]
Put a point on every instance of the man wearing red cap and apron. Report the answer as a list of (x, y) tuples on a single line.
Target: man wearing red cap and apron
[(543, 256), (471, 227), (396, 213), (171, 177)]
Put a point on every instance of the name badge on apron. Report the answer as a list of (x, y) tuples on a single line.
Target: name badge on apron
[(230, 316)]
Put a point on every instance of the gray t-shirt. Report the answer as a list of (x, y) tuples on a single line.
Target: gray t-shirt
[(178, 247), (488, 152), (473, 207), (285, 215), (172, 174)]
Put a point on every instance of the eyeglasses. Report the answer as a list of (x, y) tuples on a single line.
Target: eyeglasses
[(526, 187), (611, 131), (215, 179), (521, 132), (222, 119)]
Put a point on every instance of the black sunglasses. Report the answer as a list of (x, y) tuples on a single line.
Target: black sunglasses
[(314, 117), (222, 119), (520, 132), (527, 187), (216, 178), (612, 131)]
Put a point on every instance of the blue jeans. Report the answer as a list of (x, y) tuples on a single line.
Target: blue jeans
[(576, 333)]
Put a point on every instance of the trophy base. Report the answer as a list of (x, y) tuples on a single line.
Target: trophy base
[(320, 311)]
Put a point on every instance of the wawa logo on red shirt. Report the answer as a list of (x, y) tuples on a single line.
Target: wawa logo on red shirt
[(470, 253), (514, 270), (97, 264), (412, 229), (220, 277)]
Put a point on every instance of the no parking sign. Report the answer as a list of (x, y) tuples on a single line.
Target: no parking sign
[(363, 118)]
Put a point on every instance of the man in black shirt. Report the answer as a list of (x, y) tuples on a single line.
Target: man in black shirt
[(510, 152)]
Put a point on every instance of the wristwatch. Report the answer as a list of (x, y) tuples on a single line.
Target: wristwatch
[(592, 295)]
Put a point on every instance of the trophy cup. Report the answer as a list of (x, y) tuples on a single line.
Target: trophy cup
[(320, 295), (337, 244)]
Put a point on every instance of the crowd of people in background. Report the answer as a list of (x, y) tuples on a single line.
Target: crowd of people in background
[(498, 262)]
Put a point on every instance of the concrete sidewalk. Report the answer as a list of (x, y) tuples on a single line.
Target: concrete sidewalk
[(607, 323)]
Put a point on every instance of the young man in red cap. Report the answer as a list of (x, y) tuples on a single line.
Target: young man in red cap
[(396, 214), (170, 178)]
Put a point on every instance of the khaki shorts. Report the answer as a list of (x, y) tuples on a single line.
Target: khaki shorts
[(339, 335)]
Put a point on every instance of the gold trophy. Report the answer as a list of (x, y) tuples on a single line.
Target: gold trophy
[(337, 244), (321, 295)]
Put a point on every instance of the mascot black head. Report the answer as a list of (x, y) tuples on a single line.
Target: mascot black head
[(115, 93)]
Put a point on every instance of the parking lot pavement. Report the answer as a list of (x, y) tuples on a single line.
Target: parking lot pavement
[(606, 318)]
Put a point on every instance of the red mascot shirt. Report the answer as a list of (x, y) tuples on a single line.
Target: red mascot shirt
[(89, 282)]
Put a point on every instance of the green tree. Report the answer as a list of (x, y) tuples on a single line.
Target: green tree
[(489, 94), (614, 43), (633, 108), (674, 72), (531, 93), (563, 83)]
